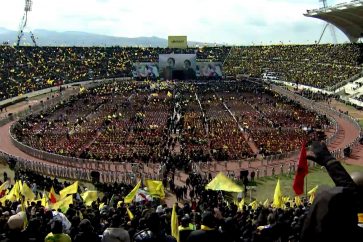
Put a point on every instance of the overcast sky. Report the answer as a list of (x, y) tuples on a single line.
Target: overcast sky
[(223, 21)]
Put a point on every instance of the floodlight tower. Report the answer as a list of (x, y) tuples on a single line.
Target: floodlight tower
[(331, 27), (24, 20)]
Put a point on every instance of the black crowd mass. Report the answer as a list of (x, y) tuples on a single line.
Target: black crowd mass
[(207, 217)]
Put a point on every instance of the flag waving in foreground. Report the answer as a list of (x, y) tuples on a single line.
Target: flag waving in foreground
[(132, 194), (174, 224), (72, 189), (155, 188), (302, 171), (222, 183)]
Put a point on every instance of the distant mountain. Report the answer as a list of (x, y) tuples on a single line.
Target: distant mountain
[(76, 38)]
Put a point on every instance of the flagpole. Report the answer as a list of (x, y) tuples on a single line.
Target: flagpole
[(306, 186)]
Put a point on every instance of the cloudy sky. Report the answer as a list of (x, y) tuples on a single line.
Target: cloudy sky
[(226, 21)]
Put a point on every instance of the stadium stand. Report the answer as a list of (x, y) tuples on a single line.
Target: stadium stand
[(319, 66), (129, 122)]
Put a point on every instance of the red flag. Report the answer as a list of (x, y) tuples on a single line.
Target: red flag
[(302, 171)]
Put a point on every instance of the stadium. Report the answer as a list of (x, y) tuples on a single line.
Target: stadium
[(184, 143)]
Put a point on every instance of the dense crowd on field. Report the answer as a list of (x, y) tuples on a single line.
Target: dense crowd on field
[(26, 69), (203, 216), (111, 221), (132, 122), (319, 66)]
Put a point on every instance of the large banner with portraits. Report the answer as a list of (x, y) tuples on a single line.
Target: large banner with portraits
[(145, 70), (209, 69), (178, 66)]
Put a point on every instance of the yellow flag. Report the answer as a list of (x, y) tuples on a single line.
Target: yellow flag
[(63, 204), (25, 216), (174, 224), (89, 197), (27, 192), (82, 89), (312, 193), (241, 204), (298, 201), (119, 204), (131, 216), (278, 196), (20, 185), (155, 188), (101, 206), (169, 94), (3, 200), (222, 183), (13, 195), (132, 194), (266, 203), (44, 200), (72, 189), (253, 205)]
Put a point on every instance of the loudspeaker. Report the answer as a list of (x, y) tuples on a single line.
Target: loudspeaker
[(95, 176), (243, 173)]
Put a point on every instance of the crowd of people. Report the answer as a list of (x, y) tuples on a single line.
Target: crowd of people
[(208, 217), (26, 69), (319, 66), (134, 122)]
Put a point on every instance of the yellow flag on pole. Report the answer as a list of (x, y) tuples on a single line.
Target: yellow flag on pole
[(132, 194), (241, 204), (312, 193), (174, 224), (253, 205), (25, 215), (298, 201), (13, 195), (27, 192), (72, 189), (131, 216), (266, 203), (278, 196)]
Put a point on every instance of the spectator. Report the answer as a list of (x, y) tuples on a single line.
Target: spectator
[(340, 221), (56, 234)]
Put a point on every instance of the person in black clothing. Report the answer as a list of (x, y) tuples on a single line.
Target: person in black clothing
[(86, 232), (208, 232), (154, 232), (184, 229), (334, 214)]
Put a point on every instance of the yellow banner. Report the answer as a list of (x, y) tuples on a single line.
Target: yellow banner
[(179, 42)]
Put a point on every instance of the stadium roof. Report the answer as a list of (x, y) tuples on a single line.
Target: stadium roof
[(348, 17)]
